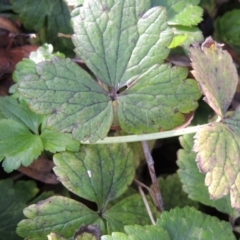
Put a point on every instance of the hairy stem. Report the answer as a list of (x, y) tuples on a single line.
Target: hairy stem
[(150, 163)]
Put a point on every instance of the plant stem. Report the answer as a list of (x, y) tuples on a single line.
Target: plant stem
[(150, 136), (146, 205), (153, 176)]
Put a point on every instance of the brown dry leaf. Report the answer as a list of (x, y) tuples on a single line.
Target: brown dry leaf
[(10, 57), (41, 170)]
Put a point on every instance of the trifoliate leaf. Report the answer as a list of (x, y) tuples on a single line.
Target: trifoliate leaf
[(127, 57), (99, 173), (182, 12), (131, 210), (227, 27), (11, 109), (218, 154), (48, 18), (193, 180), (56, 214), (188, 223), (44, 53), (13, 200), (18, 145), (137, 232), (56, 142), (172, 193), (213, 69)]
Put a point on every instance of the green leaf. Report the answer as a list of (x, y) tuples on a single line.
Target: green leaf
[(227, 27), (137, 232), (56, 142), (172, 193), (126, 39), (18, 145), (11, 109), (55, 214), (65, 91), (218, 154), (24, 68), (182, 12), (213, 69), (233, 122), (193, 180), (134, 89), (99, 173), (188, 223), (12, 201), (48, 18), (157, 109), (44, 53), (130, 210)]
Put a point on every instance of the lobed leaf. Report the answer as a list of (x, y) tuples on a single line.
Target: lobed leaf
[(218, 150), (11, 109), (134, 89), (99, 173), (56, 214), (65, 91), (18, 145), (193, 180), (188, 223), (119, 41), (213, 69)]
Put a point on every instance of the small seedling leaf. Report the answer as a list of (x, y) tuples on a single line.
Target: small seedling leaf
[(99, 173), (218, 154), (172, 193), (13, 199), (193, 180), (216, 74), (182, 12), (18, 145), (130, 210), (188, 223), (137, 232), (56, 214)]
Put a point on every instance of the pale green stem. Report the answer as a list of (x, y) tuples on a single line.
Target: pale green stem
[(150, 136)]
